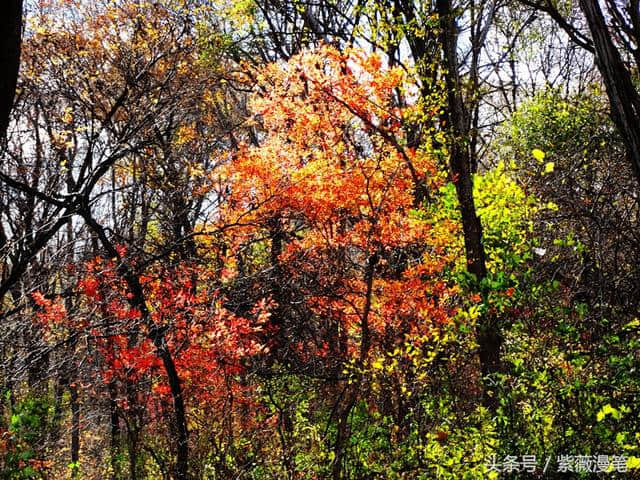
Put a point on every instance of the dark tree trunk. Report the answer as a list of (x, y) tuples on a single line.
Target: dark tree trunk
[(623, 96), (115, 430), (133, 454), (75, 431), (180, 417), (138, 301), (342, 435), (457, 121), (353, 390), (10, 40)]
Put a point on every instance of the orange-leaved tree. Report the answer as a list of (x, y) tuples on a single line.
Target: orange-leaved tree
[(328, 224)]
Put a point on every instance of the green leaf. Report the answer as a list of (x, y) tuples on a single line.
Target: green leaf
[(608, 410)]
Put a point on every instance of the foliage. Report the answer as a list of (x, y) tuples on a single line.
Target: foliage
[(221, 267), (23, 444)]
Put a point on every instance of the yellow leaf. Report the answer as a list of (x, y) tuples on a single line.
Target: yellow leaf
[(548, 168), (633, 463), (538, 154)]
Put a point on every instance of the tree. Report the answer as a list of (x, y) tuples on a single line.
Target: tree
[(614, 41), (331, 189), (431, 31), (98, 97), (10, 60)]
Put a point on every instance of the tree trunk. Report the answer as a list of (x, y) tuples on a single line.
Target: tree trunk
[(623, 96), (180, 418), (75, 431), (10, 40), (456, 120), (115, 431), (156, 335)]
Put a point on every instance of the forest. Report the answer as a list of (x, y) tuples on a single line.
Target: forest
[(319, 239)]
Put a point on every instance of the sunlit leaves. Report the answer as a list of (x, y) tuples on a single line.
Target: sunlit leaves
[(333, 174)]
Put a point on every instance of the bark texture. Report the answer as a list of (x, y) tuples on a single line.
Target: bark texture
[(10, 41), (623, 96)]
